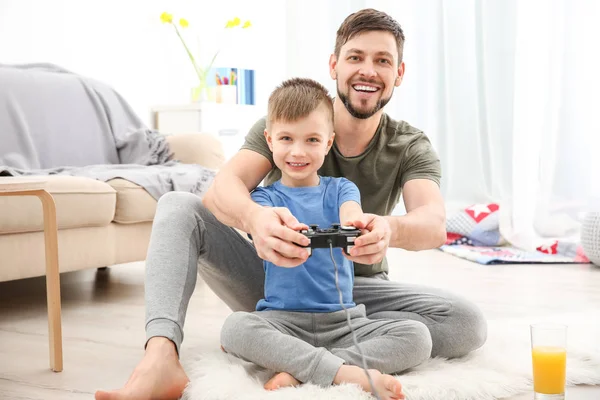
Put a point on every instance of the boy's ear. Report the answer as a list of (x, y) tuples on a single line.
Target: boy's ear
[(330, 142), (269, 140)]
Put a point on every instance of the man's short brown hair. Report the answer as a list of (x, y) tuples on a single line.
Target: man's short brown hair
[(296, 98), (369, 20)]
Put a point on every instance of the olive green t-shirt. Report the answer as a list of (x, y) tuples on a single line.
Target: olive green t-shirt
[(397, 153)]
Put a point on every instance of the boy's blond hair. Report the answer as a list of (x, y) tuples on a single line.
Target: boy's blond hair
[(296, 98)]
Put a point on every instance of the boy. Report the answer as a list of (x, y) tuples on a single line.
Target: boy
[(299, 328)]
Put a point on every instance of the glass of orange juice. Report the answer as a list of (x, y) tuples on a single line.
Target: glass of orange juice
[(549, 358)]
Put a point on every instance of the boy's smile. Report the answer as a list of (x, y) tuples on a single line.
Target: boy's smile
[(297, 166)]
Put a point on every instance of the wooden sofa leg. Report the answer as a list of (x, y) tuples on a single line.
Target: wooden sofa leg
[(52, 281), (102, 268), (28, 188)]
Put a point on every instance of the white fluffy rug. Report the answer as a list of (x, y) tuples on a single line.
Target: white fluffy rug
[(501, 368)]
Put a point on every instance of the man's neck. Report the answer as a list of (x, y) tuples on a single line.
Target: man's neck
[(353, 135)]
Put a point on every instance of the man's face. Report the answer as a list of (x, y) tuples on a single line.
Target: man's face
[(299, 147), (366, 72)]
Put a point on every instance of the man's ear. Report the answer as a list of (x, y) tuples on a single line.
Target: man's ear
[(332, 65), (269, 140), (400, 76)]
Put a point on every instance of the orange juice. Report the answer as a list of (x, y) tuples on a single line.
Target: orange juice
[(549, 369)]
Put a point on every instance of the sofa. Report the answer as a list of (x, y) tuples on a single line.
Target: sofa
[(100, 223)]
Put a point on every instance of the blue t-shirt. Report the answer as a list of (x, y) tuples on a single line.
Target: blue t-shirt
[(309, 287)]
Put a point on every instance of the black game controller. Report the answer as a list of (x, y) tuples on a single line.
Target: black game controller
[(338, 236)]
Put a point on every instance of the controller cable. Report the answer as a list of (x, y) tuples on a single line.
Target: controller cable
[(337, 285)]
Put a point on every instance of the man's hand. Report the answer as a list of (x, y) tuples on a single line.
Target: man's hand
[(274, 233), (371, 246)]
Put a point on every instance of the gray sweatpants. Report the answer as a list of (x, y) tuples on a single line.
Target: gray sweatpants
[(312, 346), (187, 240)]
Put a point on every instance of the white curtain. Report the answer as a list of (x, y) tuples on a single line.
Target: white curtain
[(508, 91)]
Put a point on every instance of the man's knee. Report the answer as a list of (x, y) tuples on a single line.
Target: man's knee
[(180, 200), (173, 205)]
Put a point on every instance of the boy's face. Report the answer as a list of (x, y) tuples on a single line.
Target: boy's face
[(299, 147), (366, 72)]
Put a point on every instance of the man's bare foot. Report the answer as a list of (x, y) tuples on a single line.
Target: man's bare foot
[(159, 376), (282, 379), (387, 387)]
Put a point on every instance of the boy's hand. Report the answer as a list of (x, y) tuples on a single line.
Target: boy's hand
[(371, 246), (274, 233)]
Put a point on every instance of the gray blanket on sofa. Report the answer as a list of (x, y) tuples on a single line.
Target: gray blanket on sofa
[(53, 121), (155, 179)]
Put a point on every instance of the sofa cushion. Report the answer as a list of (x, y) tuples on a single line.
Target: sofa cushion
[(80, 202), (197, 148), (23, 254), (134, 204)]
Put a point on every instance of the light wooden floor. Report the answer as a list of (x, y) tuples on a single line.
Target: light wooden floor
[(103, 317)]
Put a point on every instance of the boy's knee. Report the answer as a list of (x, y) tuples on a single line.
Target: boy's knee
[(234, 327), (466, 331), (422, 343), (415, 348), (476, 328)]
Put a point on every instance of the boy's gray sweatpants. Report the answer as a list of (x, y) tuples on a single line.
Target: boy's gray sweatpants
[(313, 346), (187, 240)]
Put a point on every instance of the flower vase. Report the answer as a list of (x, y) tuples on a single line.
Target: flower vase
[(200, 93)]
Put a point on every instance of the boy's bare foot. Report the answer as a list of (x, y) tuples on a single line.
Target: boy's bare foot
[(159, 376), (282, 379), (388, 387)]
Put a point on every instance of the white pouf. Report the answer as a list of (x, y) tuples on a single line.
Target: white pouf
[(590, 236)]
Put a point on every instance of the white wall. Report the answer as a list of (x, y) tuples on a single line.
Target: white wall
[(124, 44)]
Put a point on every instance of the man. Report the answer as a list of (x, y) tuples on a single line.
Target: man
[(383, 157)]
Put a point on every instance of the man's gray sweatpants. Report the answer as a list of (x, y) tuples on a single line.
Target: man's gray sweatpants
[(313, 346), (187, 240)]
